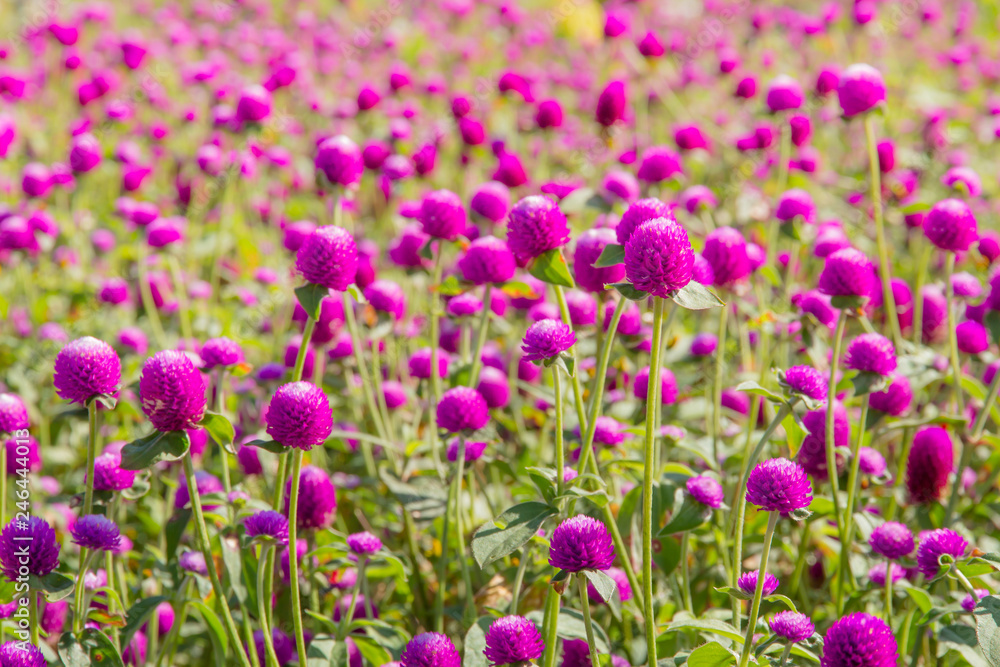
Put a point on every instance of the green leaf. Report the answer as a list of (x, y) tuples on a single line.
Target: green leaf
[(848, 302), (576, 201), (976, 567), (220, 642), (72, 652), (571, 626), (605, 585), (326, 651), (991, 320), (987, 613), (423, 498), (509, 531), (551, 267), (140, 487), (451, 286), (371, 651), (695, 296), (688, 514), (752, 387), (612, 255), (629, 292), (160, 446), (220, 430), (734, 592), (268, 446), (107, 400), (475, 643), (669, 555), (916, 207), (175, 528), (101, 649), (356, 294), (960, 638), (311, 298), (706, 626), (866, 383), (712, 654), (138, 614), (427, 250), (56, 585), (516, 290), (234, 569)]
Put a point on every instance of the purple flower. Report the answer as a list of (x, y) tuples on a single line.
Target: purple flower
[(547, 339), (442, 215), (972, 337), (747, 583), (85, 368), (329, 258), (386, 296), (969, 603), (284, 646), (871, 353), (877, 573), (807, 381), (205, 482), (299, 415), (706, 490), (576, 653), (932, 459), (513, 640), (895, 399), (621, 583), (491, 200), (784, 94), (668, 386), (704, 344), (639, 212), (892, 539), (589, 247), (268, 524), (951, 226), (84, 153), (792, 626), (37, 538), (193, 561), (13, 414), (548, 114), (317, 498), (96, 532), (937, 543), (847, 272), (581, 543), (611, 104), (779, 485), (860, 88), (795, 203), (364, 544), (659, 258), (340, 160), (109, 475), (462, 409), (535, 226), (21, 654), (658, 164), (222, 352), (420, 363), (859, 639), (487, 260), (494, 386), (430, 649), (473, 449), (726, 251), (871, 462), (171, 391)]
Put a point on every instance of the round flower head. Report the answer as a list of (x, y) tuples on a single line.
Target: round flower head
[(430, 649), (491, 200), (877, 573), (420, 363), (109, 475), (317, 498), (193, 561), (937, 543), (969, 603), (871, 462), (706, 491), (340, 160), (951, 226), (807, 381), (386, 296), (462, 305), (42, 549), (96, 532), (85, 368), (364, 544), (972, 337), (784, 94), (221, 352), (442, 215), (892, 539), (589, 247), (859, 639), (668, 386), (726, 251), (547, 339), (658, 164), (205, 482), (895, 399), (871, 353), (704, 344), (462, 409), (513, 640), (792, 626), (847, 272), (13, 414), (535, 226), (171, 391), (747, 583), (284, 646), (487, 260), (795, 203), (932, 459), (638, 213), (328, 258), (860, 88), (268, 524), (779, 485), (611, 104), (581, 543), (494, 386), (299, 415), (21, 654), (659, 258)]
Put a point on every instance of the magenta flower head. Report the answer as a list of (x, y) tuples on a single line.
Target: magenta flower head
[(937, 543), (254, 104), (805, 381), (205, 482), (420, 363), (705, 490), (109, 475), (779, 485), (658, 164), (972, 337), (895, 399), (792, 626), (589, 247), (221, 353), (726, 251), (951, 226), (86, 368), (442, 215), (96, 532), (491, 200), (668, 385), (487, 260), (892, 540), (340, 160), (13, 414), (847, 272), (535, 226), (784, 93), (871, 353), (860, 88), (430, 649), (494, 386), (513, 640), (462, 409), (638, 213), (364, 544), (932, 459), (84, 153), (581, 543), (299, 415), (859, 639), (328, 257), (21, 654), (267, 525), (969, 603), (795, 203), (747, 583), (547, 339), (659, 258), (611, 104), (34, 536), (317, 498), (171, 391)]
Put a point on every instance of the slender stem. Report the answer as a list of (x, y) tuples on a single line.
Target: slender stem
[(831, 394), (720, 351), (956, 371), (182, 300), (800, 561), (551, 627), (884, 265), (88, 498), (918, 291), (560, 446), (581, 581), (577, 391), (146, 293), (349, 615), (600, 382), (647, 479), (180, 613), (220, 406), (888, 592), (293, 560), (519, 578), (33, 615), (784, 655), (460, 531), (300, 358), (79, 593), (685, 573), (852, 494), (435, 325), (772, 521), (263, 605), (483, 330), (984, 412), (366, 385), (248, 634), (966, 584)]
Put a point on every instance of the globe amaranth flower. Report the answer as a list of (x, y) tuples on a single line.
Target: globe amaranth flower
[(972, 337), (795, 203), (668, 386), (877, 573), (581, 543), (171, 391), (582, 307), (784, 93), (871, 353), (442, 215), (937, 543), (860, 88), (22, 453), (608, 431), (299, 415), (589, 247), (85, 368), (807, 381), (639, 212), (491, 200), (487, 260), (462, 305), (611, 104), (462, 409), (779, 485), (13, 413), (704, 344), (430, 649), (747, 582), (513, 640), (535, 226), (109, 475), (420, 363), (951, 226), (221, 352), (658, 164), (969, 603), (21, 654), (932, 459), (268, 524), (726, 251), (284, 646), (871, 462), (895, 399), (859, 639), (386, 296), (317, 498), (706, 490), (812, 453), (40, 540), (205, 482), (193, 561), (892, 539), (547, 339), (792, 626), (96, 532), (328, 258), (364, 544), (340, 160), (659, 258), (847, 272)]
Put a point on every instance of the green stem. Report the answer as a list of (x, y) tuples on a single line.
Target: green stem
[(366, 385), (435, 325), (147, 299), (852, 494), (349, 615), (647, 479), (293, 561), (600, 382), (772, 521), (263, 605), (88, 498), (717, 380), (551, 627), (33, 615), (956, 371), (248, 634), (560, 446), (888, 592), (908, 434), (519, 578), (460, 533), (577, 391), (581, 581), (686, 574), (300, 358), (483, 330), (885, 267), (831, 396), (79, 593), (918, 289), (220, 406)]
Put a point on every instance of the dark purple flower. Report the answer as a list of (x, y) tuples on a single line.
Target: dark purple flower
[(871, 353), (795, 203), (364, 544), (807, 381), (487, 260), (726, 251), (284, 646), (877, 573), (860, 88), (513, 640), (13, 414), (473, 449), (462, 409), (747, 582), (37, 538), (420, 363), (205, 482), (21, 654), (792, 626), (340, 160), (779, 485), (589, 247), (951, 226), (494, 386), (222, 352), (581, 543), (847, 272), (386, 296), (972, 337), (546, 340), (268, 524), (706, 490), (536, 225), (969, 603), (491, 200), (859, 639), (937, 543), (329, 258), (932, 459), (442, 215), (430, 649), (611, 104), (871, 462), (109, 475), (85, 368), (193, 561), (659, 258), (549, 114), (895, 399), (254, 104), (171, 391), (84, 153), (658, 164), (299, 415), (639, 212), (317, 498), (96, 532), (892, 539)]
